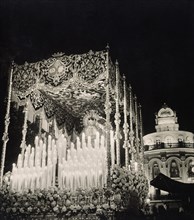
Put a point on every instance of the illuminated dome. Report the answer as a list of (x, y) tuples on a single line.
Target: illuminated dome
[(166, 119), (165, 112)]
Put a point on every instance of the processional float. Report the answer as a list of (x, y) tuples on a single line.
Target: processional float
[(87, 117)]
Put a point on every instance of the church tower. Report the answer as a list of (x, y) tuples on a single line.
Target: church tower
[(168, 150)]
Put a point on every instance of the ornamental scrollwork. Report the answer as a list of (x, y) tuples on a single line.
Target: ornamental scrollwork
[(24, 78), (112, 76), (86, 67), (92, 65), (37, 99)]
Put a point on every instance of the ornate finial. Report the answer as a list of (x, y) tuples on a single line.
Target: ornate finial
[(164, 105), (139, 105), (91, 52), (135, 97), (124, 77), (116, 63), (58, 54), (130, 88), (107, 46)]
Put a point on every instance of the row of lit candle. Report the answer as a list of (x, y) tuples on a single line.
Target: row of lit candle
[(85, 164), (82, 164)]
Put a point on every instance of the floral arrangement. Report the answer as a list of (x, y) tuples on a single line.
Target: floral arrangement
[(131, 185), (127, 189), (57, 202)]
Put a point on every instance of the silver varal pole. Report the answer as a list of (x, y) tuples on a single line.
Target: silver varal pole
[(137, 142), (5, 137), (117, 117), (125, 125), (131, 132), (141, 133), (25, 127), (108, 124)]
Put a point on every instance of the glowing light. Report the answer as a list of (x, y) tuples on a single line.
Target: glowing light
[(82, 164)]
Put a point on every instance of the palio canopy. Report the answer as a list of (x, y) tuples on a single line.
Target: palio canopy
[(66, 86)]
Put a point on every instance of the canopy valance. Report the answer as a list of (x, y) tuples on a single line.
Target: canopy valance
[(72, 84)]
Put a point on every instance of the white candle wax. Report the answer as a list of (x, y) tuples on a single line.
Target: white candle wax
[(26, 159), (36, 141), (19, 162), (83, 140), (89, 142), (49, 143), (59, 152), (64, 148), (102, 142), (136, 166), (97, 142), (78, 144)]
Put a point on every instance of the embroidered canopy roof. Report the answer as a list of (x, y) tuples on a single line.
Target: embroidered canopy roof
[(65, 85)]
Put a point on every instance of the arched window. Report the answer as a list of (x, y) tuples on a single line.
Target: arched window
[(155, 170), (191, 168), (174, 170), (169, 140), (180, 141), (158, 143)]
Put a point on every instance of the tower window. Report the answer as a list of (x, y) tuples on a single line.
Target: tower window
[(155, 170), (174, 170), (191, 168)]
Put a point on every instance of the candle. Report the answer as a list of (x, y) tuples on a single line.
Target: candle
[(36, 141), (136, 166), (37, 157), (31, 158), (26, 159), (49, 143), (13, 176), (65, 148), (97, 143), (78, 144), (53, 143), (102, 142), (28, 150), (83, 140), (54, 165), (41, 147), (89, 143), (59, 175), (72, 152), (44, 177), (43, 156), (41, 179), (59, 152), (19, 162)]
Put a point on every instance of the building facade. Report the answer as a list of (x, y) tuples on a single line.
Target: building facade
[(169, 151)]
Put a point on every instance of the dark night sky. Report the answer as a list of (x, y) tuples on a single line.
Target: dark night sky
[(152, 40)]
